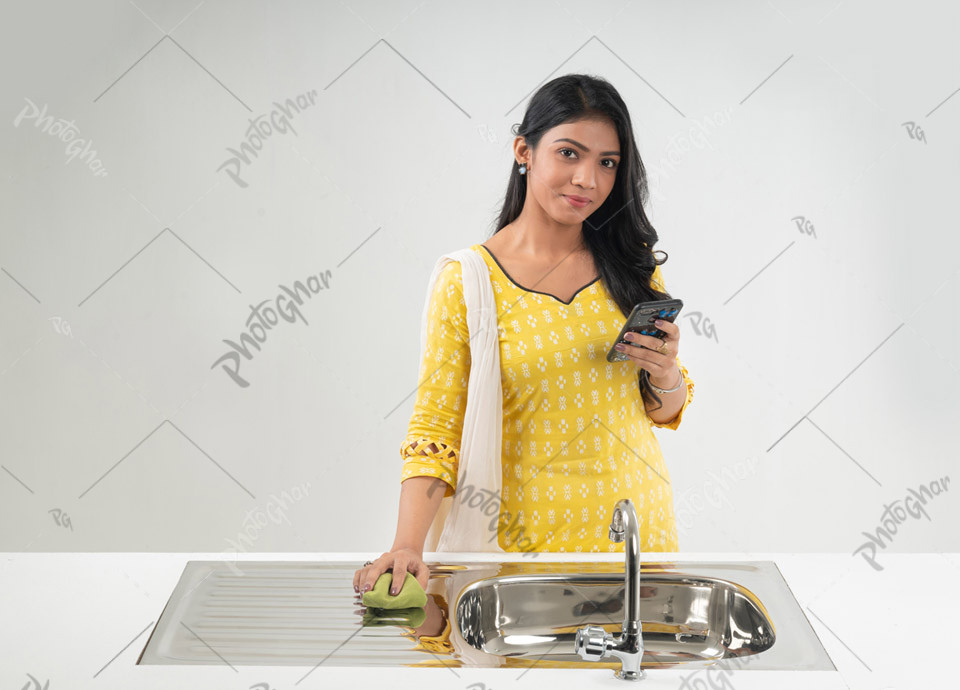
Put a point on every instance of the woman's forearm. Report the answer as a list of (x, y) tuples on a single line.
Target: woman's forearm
[(672, 402), (419, 500)]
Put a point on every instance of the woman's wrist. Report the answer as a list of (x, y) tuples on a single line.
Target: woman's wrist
[(409, 547), (673, 381)]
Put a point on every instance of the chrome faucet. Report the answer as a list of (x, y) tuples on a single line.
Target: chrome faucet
[(592, 641)]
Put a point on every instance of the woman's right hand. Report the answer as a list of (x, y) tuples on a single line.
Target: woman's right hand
[(400, 561)]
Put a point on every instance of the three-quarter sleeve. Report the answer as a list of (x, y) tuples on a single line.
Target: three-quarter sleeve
[(432, 444), (656, 281)]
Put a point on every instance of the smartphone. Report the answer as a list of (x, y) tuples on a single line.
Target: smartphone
[(641, 321)]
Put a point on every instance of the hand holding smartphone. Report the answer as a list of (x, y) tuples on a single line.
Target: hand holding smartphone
[(641, 321)]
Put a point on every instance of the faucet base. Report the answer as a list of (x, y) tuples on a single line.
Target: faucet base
[(630, 675)]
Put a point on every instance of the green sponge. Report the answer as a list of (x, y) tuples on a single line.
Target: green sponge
[(410, 595)]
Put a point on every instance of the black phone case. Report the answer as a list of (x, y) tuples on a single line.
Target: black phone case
[(641, 321)]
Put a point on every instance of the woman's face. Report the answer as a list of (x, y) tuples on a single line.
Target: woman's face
[(577, 159)]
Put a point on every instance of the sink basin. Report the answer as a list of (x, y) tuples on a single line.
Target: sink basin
[(503, 612), (685, 618)]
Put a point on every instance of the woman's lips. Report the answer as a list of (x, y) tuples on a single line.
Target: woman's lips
[(579, 203)]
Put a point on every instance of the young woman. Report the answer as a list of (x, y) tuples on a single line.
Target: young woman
[(570, 257)]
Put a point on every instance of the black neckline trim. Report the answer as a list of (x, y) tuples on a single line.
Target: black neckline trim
[(547, 294)]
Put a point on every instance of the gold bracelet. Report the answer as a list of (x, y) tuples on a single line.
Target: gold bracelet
[(661, 391)]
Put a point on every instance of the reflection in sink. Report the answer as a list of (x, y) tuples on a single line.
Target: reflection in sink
[(685, 618)]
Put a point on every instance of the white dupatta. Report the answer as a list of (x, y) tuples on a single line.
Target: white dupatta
[(469, 519)]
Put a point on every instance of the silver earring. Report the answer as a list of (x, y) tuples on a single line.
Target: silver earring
[(523, 169)]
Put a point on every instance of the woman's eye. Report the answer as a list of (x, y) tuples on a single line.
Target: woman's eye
[(606, 160)]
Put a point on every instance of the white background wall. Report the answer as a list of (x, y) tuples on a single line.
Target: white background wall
[(807, 223)]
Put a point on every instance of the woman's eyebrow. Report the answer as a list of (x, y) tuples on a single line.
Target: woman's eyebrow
[(577, 143)]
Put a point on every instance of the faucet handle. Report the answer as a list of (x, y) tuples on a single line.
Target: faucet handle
[(591, 642), (616, 533)]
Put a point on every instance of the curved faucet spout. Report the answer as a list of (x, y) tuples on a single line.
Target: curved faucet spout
[(631, 591), (593, 642)]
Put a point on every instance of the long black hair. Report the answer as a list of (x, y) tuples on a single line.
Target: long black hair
[(618, 234)]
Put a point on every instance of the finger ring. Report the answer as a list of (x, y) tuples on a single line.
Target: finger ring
[(663, 349), (367, 563)]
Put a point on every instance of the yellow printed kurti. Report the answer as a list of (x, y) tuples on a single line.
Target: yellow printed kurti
[(576, 434)]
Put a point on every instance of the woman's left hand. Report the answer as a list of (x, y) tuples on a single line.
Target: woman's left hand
[(656, 355)]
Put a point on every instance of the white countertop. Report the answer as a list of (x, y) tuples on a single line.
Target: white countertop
[(80, 620)]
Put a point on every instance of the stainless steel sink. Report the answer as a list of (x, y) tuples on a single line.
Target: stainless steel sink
[(685, 618), (483, 614)]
